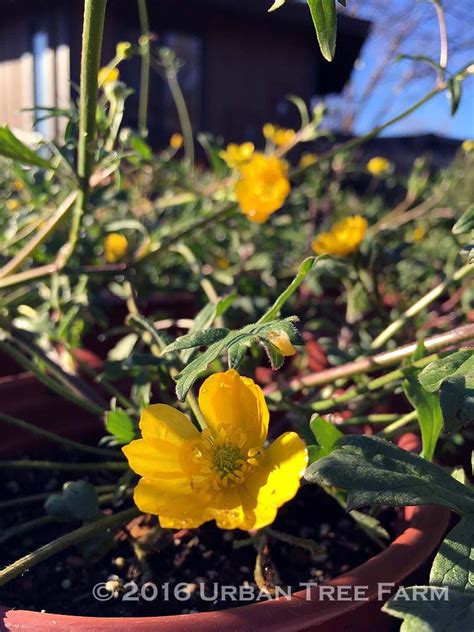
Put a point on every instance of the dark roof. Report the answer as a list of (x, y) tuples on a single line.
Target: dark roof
[(352, 32)]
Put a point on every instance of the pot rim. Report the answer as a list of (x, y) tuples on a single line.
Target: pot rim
[(405, 554)]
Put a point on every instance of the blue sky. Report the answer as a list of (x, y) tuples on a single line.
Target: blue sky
[(424, 40)]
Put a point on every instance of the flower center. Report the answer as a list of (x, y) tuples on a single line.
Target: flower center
[(221, 463), (227, 459)]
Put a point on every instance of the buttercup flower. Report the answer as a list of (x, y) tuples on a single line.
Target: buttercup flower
[(263, 186), (176, 141), (281, 341), (12, 205), (237, 155), (278, 135), (108, 75), (223, 473), (115, 247), (343, 238), (468, 146), (378, 166), (308, 159), (417, 234)]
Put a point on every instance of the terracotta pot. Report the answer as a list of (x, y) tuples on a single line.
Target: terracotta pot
[(423, 531)]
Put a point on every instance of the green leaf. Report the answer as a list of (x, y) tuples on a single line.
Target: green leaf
[(77, 501), (438, 614), (120, 425), (324, 17), (206, 317), (326, 433), (453, 566), (274, 356), (276, 5), (12, 147), (456, 400), (376, 472), (196, 368), (455, 93), (465, 223), (306, 266), (198, 339), (235, 343), (457, 363), (430, 418)]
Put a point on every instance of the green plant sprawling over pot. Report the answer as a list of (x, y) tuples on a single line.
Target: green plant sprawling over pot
[(199, 271)]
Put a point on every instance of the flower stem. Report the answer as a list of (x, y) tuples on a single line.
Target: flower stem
[(66, 541), (52, 384), (400, 423), (51, 436), (93, 29), (145, 51), (65, 467), (423, 302), (385, 359)]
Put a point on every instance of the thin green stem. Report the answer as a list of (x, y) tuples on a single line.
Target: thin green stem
[(397, 425), (381, 360), (113, 466), (360, 140), (420, 305), (145, 51), (183, 115), (93, 29), (55, 386), (225, 212), (326, 405), (51, 436), (66, 541)]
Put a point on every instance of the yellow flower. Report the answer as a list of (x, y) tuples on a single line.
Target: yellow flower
[(284, 136), (13, 205), (278, 135), (282, 342), (115, 247), (417, 234), (223, 263), (18, 185), (269, 131), (176, 141), (263, 186), (237, 155), (108, 75), (343, 238), (378, 166), (124, 50), (223, 473), (468, 146), (308, 159)]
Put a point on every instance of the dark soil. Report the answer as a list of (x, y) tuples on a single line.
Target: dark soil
[(189, 567)]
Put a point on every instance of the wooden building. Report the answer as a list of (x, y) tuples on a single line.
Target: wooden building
[(240, 61)]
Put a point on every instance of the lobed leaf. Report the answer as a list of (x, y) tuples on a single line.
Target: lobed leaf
[(453, 566), (419, 614), (376, 472)]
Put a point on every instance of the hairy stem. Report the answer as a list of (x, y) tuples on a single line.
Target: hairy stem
[(66, 541)]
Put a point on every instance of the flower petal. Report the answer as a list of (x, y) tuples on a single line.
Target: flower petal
[(275, 481), (158, 499), (236, 406), (160, 421)]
